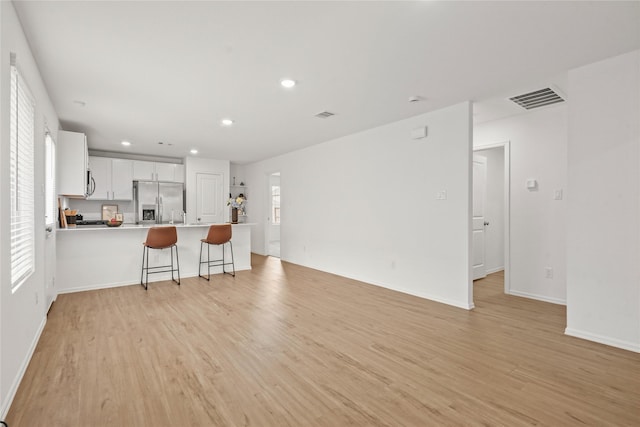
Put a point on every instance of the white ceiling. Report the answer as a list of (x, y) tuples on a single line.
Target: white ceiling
[(170, 70)]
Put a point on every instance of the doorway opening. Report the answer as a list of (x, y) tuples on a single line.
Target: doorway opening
[(491, 238), (273, 220)]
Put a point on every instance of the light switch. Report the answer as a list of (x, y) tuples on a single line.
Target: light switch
[(532, 184), (441, 195), (557, 195)]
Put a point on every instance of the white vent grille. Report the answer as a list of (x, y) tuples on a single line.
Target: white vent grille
[(325, 115), (538, 98)]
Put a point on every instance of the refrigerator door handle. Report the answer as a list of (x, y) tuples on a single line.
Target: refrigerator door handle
[(161, 211)]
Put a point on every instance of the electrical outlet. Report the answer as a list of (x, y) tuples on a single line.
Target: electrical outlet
[(548, 272)]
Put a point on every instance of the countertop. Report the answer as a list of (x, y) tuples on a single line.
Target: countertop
[(139, 226)]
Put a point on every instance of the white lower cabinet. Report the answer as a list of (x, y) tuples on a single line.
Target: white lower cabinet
[(113, 178)]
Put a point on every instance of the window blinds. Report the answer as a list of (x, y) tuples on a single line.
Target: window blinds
[(22, 116)]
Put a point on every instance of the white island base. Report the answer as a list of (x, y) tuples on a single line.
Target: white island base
[(103, 257)]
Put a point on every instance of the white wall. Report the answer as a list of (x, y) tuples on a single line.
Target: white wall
[(494, 210), (195, 165), (364, 206), (22, 313), (603, 236), (538, 147), (237, 172)]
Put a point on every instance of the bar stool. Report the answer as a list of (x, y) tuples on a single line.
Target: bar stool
[(159, 238), (218, 234)]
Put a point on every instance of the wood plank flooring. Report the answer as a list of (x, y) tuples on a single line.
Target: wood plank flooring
[(284, 345)]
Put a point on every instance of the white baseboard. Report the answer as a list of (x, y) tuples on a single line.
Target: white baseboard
[(494, 270), (11, 393), (424, 295), (613, 342), (154, 278), (538, 297)]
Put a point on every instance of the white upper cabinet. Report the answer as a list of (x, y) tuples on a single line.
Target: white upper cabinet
[(101, 173), (72, 157), (165, 171), (144, 171), (122, 179), (157, 171), (113, 178), (179, 173)]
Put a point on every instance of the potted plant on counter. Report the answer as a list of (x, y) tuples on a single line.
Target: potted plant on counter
[(237, 204)]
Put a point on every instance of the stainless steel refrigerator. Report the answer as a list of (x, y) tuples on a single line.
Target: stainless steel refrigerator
[(159, 202)]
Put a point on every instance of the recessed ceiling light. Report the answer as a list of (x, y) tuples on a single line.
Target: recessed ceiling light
[(226, 122), (288, 83), (125, 143), (194, 151)]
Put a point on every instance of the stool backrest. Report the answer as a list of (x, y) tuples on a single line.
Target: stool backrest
[(161, 237), (219, 234)]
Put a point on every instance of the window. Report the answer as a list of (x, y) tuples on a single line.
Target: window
[(50, 208), (275, 204), (21, 139)]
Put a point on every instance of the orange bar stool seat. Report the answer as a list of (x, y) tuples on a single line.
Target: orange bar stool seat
[(160, 238), (219, 234)]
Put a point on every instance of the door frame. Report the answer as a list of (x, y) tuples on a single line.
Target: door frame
[(478, 272), (267, 227), (507, 207)]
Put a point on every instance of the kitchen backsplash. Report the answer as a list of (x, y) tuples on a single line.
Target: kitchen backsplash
[(92, 209)]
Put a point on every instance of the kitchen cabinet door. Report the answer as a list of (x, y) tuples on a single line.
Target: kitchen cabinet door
[(144, 171), (121, 179), (179, 174), (165, 171), (71, 168), (101, 172)]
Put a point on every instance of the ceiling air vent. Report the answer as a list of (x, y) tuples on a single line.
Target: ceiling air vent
[(325, 115), (538, 98)]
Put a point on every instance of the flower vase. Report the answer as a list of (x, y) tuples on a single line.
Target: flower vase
[(234, 215)]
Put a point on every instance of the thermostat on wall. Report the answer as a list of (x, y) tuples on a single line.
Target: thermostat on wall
[(532, 184)]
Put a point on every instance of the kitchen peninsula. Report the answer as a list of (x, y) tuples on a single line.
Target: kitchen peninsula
[(103, 257)]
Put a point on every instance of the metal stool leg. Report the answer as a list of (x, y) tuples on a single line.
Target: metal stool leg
[(177, 266), (144, 248), (146, 281), (233, 264), (223, 270), (200, 260)]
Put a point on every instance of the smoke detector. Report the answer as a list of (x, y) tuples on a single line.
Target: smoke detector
[(325, 115)]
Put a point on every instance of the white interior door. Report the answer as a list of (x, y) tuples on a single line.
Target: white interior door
[(210, 201), (273, 220), (479, 220), (51, 216)]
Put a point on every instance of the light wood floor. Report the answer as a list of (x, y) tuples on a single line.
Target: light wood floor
[(284, 345)]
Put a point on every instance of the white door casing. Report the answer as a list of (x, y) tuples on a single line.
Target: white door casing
[(479, 221), (210, 199)]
